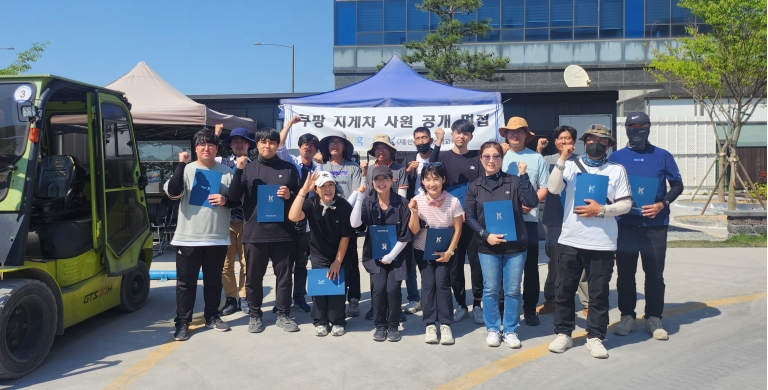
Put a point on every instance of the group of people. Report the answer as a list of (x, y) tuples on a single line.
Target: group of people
[(328, 202)]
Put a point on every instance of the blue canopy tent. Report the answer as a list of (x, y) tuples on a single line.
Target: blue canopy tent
[(394, 101)]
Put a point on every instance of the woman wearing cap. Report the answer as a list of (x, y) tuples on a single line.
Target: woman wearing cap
[(384, 207), (588, 238), (435, 208), (500, 259), (384, 152), (328, 216)]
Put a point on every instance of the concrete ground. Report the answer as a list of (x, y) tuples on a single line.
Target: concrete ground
[(715, 313)]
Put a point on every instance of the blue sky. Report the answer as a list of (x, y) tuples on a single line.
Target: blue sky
[(200, 47)]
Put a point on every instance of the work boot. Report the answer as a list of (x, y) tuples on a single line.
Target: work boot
[(547, 307), (287, 323), (628, 324), (244, 306), (354, 308), (653, 326), (230, 306), (182, 331), (595, 346), (561, 343), (255, 325)]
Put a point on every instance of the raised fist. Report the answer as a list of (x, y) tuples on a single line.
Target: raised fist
[(184, 157)]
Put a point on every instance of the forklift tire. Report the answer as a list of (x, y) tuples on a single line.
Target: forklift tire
[(28, 317), (134, 289)]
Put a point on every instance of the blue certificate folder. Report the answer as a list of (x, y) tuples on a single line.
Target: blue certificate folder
[(590, 186), (500, 219), (438, 240), (383, 239), (318, 283), (206, 183), (459, 191), (271, 208), (643, 192)]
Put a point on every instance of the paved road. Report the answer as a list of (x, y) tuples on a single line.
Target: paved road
[(722, 346)]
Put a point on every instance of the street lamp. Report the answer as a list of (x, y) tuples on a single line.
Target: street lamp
[(292, 56)]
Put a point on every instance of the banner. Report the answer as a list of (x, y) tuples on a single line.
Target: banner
[(361, 124)]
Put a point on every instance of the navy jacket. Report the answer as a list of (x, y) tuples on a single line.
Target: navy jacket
[(397, 214)]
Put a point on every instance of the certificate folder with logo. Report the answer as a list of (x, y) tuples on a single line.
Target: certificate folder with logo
[(500, 219), (318, 283), (459, 191), (383, 239), (271, 208), (206, 182), (438, 240), (589, 186), (643, 192)]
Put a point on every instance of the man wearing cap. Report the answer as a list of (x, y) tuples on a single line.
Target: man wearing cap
[(588, 238), (463, 166), (234, 288), (337, 156), (644, 232), (202, 234), (518, 134), (305, 163)]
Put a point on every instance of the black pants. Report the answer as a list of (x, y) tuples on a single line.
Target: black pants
[(189, 260), (599, 267), (352, 271), (300, 267), (386, 297), (257, 257), (467, 246), (650, 243), (531, 284), (436, 302)]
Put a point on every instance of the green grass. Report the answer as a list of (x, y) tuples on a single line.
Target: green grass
[(737, 241)]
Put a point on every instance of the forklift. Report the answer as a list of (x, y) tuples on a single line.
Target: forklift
[(75, 236)]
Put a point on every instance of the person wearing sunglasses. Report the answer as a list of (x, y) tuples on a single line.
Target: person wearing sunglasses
[(588, 238), (644, 233), (502, 257), (435, 208)]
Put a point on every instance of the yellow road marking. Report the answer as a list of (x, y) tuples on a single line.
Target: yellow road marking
[(129, 377), (491, 370)]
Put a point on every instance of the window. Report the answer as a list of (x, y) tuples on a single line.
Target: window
[(394, 38), (369, 17), (159, 159), (490, 10), (611, 15), (369, 38), (536, 34), (585, 33), (394, 15), (561, 34), (681, 15), (657, 31), (466, 18), (536, 14), (345, 25), (512, 35), (657, 12), (561, 14), (586, 13), (417, 19), (493, 36), (633, 19), (512, 13), (416, 35)]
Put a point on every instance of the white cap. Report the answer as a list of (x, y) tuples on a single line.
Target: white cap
[(323, 177)]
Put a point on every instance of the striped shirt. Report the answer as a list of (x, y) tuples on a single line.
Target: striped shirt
[(436, 217)]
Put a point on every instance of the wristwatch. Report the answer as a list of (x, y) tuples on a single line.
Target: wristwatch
[(601, 214), (450, 252), (665, 203)]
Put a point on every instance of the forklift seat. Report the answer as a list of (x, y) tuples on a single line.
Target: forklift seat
[(59, 187)]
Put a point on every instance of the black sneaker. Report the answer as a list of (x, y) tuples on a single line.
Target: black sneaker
[(230, 307), (287, 323), (255, 325), (302, 305), (182, 331), (532, 319), (393, 334), (403, 318), (380, 334), (216, 323), (369, 315), (244, 306)]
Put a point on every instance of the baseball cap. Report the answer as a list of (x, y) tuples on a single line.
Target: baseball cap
[(637, 117), (381, 170), (323, 177)]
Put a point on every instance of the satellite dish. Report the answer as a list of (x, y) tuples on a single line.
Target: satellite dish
[(576, 76)]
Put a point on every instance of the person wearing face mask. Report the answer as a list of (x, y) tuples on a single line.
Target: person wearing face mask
[(646, 234), (588, 238)]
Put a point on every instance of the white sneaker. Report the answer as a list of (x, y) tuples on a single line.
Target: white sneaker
[(512, 340), (595, 345), (653, 326), (628, 324), (431, 335), (338, 330), (459, 314), (477, 315), (321, 330), (413, 307), (446, 335), (561, 343), (493, 339)]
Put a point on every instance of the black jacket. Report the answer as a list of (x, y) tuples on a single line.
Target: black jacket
[(508, 187), (397, 214)]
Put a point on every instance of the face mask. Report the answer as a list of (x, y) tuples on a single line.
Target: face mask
[(596, 150), (423, 148), (638, 137)]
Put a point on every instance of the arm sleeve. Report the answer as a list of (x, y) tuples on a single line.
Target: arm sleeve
[(236, 188), (435, 156), (526, 193), (619, 208), (675, 189), (555, 184), (470, 210), (356, 219), (176, 183), (353, 197), (404, 235), (402, 192), (396, 249), (674, 178)]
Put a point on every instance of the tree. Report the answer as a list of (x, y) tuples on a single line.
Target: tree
[(25, 59), (440, 50), (724, 70)]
